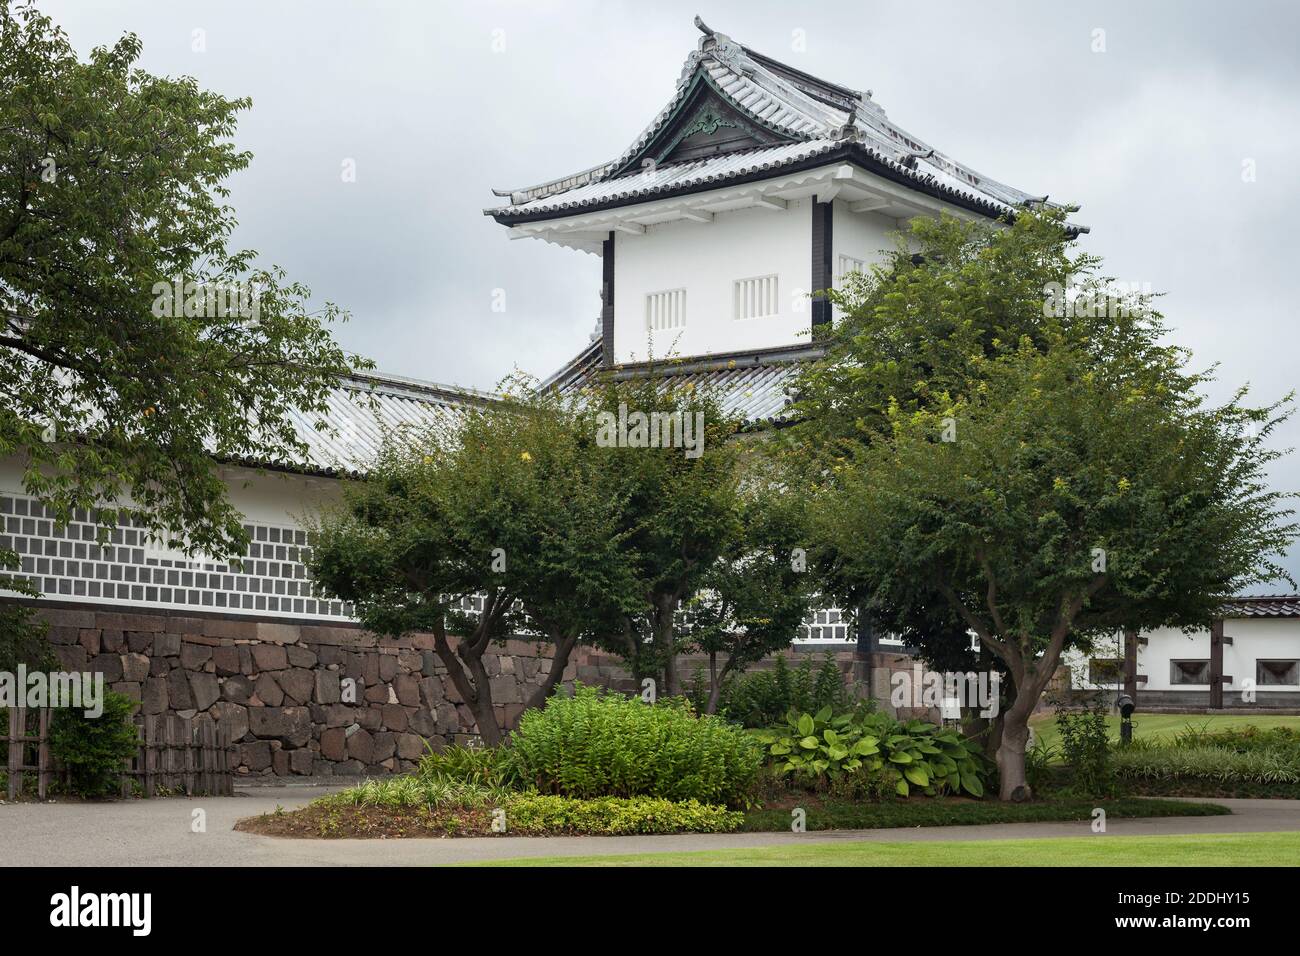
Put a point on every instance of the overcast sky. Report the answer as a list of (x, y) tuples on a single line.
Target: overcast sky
[(1175, 126)]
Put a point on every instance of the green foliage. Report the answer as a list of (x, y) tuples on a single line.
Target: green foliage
[(418, 790), (484, 766), (597, 744), (988, 465), (683, 516), (113, 180), (509, 501), (611, 816), (22, 634), (1241, 740), (1085, 748), (94, 749), (1039, 760), (756, 595), (1208, 763), (763, 698), (822, 749)]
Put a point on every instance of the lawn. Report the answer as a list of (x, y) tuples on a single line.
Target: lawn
[(1167, 725), (1217, 849)]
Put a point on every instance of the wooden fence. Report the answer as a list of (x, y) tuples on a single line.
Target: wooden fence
[(174, 755)]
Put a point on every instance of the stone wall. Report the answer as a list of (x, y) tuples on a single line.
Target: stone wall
[(275, 687)]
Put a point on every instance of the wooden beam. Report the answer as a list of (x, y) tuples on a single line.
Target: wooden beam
[(634, 228), (768, 202), (1131, 664), (1216, 665)]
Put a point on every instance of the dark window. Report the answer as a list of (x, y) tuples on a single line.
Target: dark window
[(1189, 672), (1285, 673), (1105, 670)]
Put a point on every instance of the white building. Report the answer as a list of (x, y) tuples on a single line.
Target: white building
[(1251, 654)]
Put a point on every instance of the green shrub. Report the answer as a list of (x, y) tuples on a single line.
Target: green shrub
[(597, 744), (93, 750), (610, 816), (1085, 747), (865, 753), (763, 698), (1241, 739), (486, 766)]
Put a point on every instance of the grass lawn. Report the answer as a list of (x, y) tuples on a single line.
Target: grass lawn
[(1167, 725), (1217, 849)]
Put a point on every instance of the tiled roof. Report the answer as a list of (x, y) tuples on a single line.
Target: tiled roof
[(819, 116), (361, 412), (1264, 605), (751, 385)]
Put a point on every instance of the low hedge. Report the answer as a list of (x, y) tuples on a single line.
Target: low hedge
[(1263, 766), (847, 815), (539, 814)]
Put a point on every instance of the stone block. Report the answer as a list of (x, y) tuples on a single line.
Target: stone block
[(226, 659), (327, 687), (89, 638), (204, 690), (268, 691), (297, 684), (410, 746), (166, 645), (110, 665), (194, 656), (290, 725), (135, 667), (269, 657), (237, 688), (394, 717), (333, 744)]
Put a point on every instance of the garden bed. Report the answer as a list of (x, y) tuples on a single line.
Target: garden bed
[(533, 815)]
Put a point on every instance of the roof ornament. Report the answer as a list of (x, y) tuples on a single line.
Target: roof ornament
[(849, 132), (910, 159)]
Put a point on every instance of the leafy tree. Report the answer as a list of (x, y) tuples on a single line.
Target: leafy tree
[(116, 393), (1073, 491), (756, 595), (681, 508), (506, 507), (919, 332)]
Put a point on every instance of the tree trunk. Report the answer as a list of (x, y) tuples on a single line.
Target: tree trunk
[(665, 645), (715, 685), (485, 713), (1011, 756), (469, 677), (564, 646)]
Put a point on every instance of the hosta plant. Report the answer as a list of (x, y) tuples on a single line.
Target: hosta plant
[(823, 748)]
